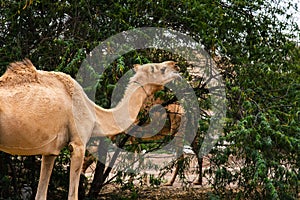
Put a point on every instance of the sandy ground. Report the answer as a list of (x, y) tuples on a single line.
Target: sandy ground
[(151, 165), (178, 191), (146, 191)]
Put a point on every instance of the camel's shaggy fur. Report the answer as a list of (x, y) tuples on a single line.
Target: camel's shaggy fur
[(19, 73), (24, 72)]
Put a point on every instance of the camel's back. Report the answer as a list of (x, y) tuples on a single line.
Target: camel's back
[(35, 106), (24, 73), (22, 83)]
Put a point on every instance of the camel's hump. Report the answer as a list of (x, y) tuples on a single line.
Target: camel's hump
[(18, 73), (24, 72), (24, 66)]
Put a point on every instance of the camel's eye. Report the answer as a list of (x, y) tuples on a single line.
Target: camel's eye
[(152, 68), (163, 70)]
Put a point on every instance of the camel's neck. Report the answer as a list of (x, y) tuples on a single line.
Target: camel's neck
[(118, 119)]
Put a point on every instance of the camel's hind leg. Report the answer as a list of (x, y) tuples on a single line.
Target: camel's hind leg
[(77, 157), (46, 170)]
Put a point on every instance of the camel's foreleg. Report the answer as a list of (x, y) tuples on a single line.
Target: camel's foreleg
[(77, 157), (46, 170)]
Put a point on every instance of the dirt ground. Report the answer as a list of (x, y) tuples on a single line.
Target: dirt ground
[(177, 191), (113, 192)]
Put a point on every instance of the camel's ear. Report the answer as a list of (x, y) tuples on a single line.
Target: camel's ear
[(136, 67), (170, 63)]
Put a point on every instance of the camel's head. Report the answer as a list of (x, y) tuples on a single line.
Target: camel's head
[(155, 73)]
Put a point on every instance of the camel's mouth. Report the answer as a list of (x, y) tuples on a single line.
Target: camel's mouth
[(173, 76), (176, 73)]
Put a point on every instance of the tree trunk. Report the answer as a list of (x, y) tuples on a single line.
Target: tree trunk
[(101, 173), (199, 179), (99, 178)]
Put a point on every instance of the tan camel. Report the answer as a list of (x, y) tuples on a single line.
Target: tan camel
[(42, 112)]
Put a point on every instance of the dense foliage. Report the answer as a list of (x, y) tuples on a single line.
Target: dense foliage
[(256, 52)]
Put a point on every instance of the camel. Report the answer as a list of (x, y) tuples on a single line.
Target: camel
[(42, 112)]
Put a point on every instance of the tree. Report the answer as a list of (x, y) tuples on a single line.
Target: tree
[(256, 54)]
